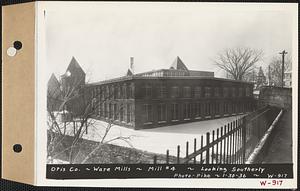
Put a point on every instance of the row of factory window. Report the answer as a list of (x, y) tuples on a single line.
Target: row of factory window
[(189, 110), (198, 92), (114, 111), (125, 91)]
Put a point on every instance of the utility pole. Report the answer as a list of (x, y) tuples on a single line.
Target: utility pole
[(283, 53)]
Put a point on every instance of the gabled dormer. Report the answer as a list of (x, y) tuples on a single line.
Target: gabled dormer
[(74, 76), (178, 65), (53, 87)]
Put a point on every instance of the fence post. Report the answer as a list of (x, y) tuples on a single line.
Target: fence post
[(213, 147), (227, 143), (217, 149), (207, 150), (231, 144), (244, 138), (178, 154), (234, 143), (187, 149), (221, 145), (224, 146), (195, 149), (167, 159), (201, 146)]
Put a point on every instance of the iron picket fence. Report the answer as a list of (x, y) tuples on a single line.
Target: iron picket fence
[(229, 144)]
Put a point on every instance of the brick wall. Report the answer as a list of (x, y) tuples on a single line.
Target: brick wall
[(244, 103)]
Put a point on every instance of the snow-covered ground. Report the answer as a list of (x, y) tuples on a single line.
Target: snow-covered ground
[(158, 140)]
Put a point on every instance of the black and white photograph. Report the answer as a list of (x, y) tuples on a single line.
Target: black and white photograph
[(169, 83)]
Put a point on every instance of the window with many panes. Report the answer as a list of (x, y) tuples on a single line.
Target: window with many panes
[(131, 91), (207, 109), (240, 107), (102, 109), (241, 92), (233, 92), (217, 108), (198, 110), (98, 93), (107, 96), (162, 112), (174, 111), (94, 102), (233, 108), (247, 91), (197, 92), (124, 91), (207, 92), (148, 91), (175, 91), (116, 92), (187, 110), (129, 113), (148, 113), (102, 93), (111, 112), (128, 91), (225, 105), (217, 92), (225, 92), (115, 112), (121, 113), (119, 92), (105, 109), (186, 91), (112, 92), (162, 91)]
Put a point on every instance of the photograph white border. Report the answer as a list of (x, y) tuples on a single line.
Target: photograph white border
[(41, 85)]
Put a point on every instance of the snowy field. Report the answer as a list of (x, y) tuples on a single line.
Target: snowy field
[(158, 140)]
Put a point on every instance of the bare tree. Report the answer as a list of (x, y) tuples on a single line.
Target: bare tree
[(238, 62), (275, 73), (70, 113)]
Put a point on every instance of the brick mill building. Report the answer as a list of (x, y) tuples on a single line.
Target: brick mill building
[(168, 96)]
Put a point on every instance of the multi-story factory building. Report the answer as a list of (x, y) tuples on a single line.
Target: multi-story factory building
[(168, 96)]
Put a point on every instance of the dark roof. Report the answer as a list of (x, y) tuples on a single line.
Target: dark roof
[(178, 64), (74, 65), (53, 81), (53, 86)]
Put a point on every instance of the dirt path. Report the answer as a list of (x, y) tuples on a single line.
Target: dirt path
[(280, 150)]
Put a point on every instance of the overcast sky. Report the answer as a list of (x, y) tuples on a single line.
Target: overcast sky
[(103, 36)]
